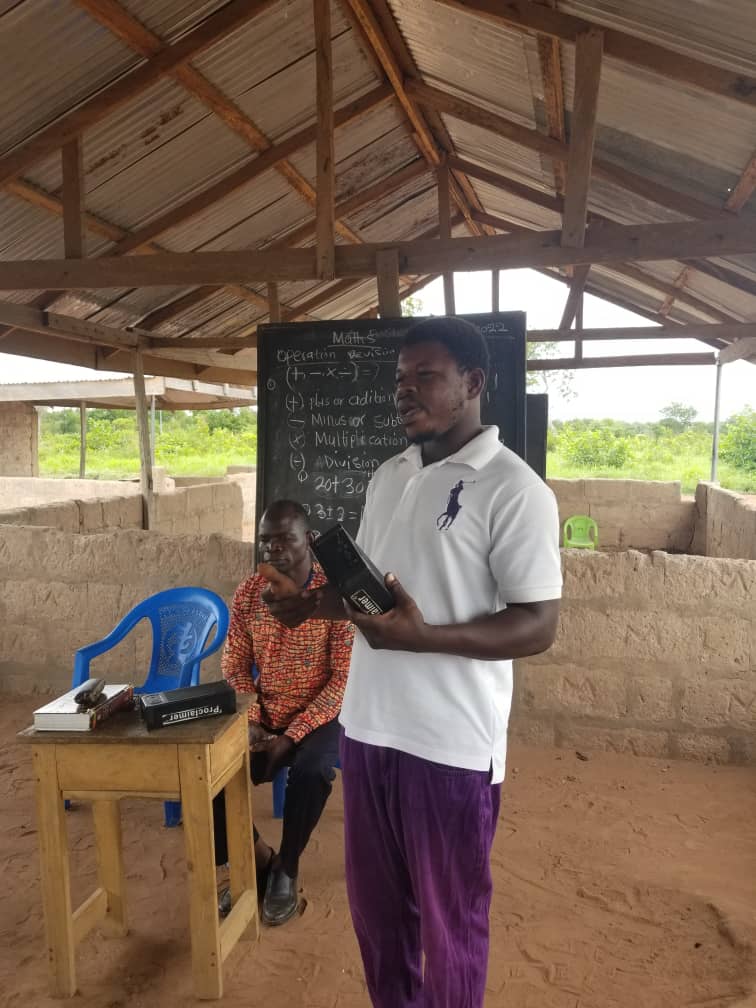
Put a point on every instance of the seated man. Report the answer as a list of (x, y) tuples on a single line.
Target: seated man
[(302, 674)]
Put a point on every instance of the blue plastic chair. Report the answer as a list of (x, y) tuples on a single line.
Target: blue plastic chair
[(182, 620)]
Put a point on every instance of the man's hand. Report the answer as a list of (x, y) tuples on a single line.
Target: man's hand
[(258, 737), (401, 629), (288, 603), (278, 749)]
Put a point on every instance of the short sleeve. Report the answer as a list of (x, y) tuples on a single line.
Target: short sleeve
[(524, 558)]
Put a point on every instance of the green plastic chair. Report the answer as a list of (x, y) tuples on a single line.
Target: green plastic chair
[(580, 532)]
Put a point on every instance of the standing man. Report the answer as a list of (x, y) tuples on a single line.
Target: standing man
[(299, 677), (430, 684)]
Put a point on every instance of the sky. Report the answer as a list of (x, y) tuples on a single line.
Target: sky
[(618, 393)]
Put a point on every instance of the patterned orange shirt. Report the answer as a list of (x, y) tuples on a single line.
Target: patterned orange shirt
[(303, 671)]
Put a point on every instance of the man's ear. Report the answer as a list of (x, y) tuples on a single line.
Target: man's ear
[(311, 536), (476, 382)]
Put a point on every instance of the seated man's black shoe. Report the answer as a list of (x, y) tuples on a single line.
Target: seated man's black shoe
[(280, 903)]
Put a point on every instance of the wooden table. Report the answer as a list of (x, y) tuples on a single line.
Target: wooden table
[(121, 759)]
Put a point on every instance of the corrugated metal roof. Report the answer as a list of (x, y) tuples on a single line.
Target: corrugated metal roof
[(164, 145)]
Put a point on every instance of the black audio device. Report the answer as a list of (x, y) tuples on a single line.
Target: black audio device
[(353, 574)]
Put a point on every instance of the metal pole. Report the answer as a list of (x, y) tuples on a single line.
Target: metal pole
[(152, 429), (494, 290), (715, 439), (82, 440)]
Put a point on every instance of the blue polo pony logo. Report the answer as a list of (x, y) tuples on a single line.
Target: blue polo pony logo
[(446, 519)]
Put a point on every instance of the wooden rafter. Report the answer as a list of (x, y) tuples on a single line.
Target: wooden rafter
[(550, 61), (215, 27), (523, 15), (324, 156), (574, 297), (727, 332), (678, 283), (638, 360), (385, 41), (744, 348), (72, 199), (605, 243), (588, 53), (743, 191), (506, 128), (444, 230)]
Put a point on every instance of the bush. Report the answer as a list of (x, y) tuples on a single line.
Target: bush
[(595, 449), (738, 443)]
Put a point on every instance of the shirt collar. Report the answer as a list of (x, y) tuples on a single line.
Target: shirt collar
[(476, 453)]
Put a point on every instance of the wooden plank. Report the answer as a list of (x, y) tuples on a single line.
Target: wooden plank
[(532, 17), (588, 52), (550, 61), (496, 123), (145, 452), (54, 872), (574, 297), (444, 230), (35, 320), (605, 243), (640, 360), (123, 767), (241, 857), (244, 175), (243, 913), (727, 331), (110, 870), (742, 349), (91, 913), (495, 284), (212, 29), (197, 812), (387, 276), (274, 305), (524, 192), (324, 150), (679, 282), (743, 191), (73, 199)]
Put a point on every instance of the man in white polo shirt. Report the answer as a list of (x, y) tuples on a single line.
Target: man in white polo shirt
[(470, 535)]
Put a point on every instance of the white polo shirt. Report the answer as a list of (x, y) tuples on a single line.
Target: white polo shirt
[(465, 536)]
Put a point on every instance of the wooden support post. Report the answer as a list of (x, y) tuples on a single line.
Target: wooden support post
[(495, 278), (444, 230), (387, 273), (82, 440), (73, 199), (579, 328), (325, 204), (588, 52), (274, 304), (145, 455)]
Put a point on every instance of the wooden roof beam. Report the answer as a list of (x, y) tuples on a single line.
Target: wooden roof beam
[(325, 218), (373, 33), (496, 123), (727, 332), (605, 243), (741, 349), (743, 191), (524, 15), (588, 51), (550, 62), (639, 360), (215, 27)]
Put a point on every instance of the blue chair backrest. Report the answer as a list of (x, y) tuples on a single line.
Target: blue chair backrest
[(182, 620)]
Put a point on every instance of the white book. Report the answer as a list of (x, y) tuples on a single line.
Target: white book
[(64, 714)]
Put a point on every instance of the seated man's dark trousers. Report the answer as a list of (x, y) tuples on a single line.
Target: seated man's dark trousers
[(310, 782)]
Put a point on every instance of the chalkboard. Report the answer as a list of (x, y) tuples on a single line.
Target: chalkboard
[(537, 422), (326, 415)]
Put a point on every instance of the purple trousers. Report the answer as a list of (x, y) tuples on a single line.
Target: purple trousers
[(418, 837)]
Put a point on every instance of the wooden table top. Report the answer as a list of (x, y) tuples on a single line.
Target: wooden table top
[(127, 726)]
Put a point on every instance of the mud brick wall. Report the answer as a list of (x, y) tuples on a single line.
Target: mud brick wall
[(726, 523), (656, 655), (19, 436), (60, 591), (201, 509), (631, 514)]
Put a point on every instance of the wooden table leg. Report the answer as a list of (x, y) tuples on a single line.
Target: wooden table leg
[(54, 872), (194, 776), (241, 854), (107, 825)]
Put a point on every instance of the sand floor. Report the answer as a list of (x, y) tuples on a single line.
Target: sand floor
[(619, 883)]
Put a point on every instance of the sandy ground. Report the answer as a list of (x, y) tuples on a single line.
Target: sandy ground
[(619, 883)]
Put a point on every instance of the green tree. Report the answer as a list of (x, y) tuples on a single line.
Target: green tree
[(678, 416)]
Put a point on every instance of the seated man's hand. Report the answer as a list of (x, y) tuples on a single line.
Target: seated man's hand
[(288, 603), (278, 749), (258, 737)]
